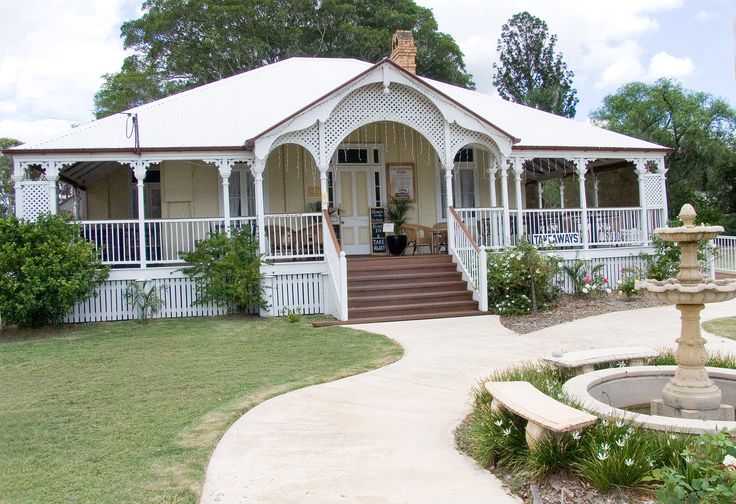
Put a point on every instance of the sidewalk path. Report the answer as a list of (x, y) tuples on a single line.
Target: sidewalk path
[(386, 436)]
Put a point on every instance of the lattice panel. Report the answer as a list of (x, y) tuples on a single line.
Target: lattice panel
[(307, 138), (653, 196), (460, 137), (370, 104), (35, 199)]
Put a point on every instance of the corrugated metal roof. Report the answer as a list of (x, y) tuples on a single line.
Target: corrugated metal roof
[(228, 112)]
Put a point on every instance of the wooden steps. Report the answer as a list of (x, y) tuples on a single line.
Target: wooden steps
[(406, 288)]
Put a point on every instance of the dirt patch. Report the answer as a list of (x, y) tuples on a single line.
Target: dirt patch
[(568, 308)]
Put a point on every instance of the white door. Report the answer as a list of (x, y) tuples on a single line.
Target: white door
[(354, 199)]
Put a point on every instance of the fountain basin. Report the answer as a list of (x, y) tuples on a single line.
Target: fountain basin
[(673, 291), (607, 392), (689, 234)]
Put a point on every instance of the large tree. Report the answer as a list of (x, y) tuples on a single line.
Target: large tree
[(700, 129), (7, 191), (179, 44), (529, 71)]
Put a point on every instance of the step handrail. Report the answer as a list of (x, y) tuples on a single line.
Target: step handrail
[(337, 270), (472, 259)]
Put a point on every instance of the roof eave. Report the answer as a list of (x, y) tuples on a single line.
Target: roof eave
[(130, 150), (664, 150)]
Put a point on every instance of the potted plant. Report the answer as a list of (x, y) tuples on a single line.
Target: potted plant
[(397, 213)]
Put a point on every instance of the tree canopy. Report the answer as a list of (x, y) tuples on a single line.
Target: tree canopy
[(529, 71), (7, 189), (181, 44), (700, 129)]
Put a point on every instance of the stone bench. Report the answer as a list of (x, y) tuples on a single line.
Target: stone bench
[(546, 417), (586, 360)]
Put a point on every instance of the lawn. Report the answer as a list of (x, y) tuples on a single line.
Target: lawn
[(125, 412), (725, 327)]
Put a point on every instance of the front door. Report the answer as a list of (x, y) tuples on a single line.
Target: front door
[(354, 192)]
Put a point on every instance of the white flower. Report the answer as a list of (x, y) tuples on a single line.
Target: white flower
[(585, 290), (619, 423), (729, 460), (506, 431), (620, 364), (559, 264), (576, 435), (608, 291), (651, 462), (604, 422), (499, 422), (602, 456), (605, 447), (674, 436), (621, 442), (628, 462)]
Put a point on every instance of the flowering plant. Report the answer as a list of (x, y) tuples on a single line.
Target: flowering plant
[(586, 281)]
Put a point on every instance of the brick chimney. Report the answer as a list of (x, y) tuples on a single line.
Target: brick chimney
[(403, 50)]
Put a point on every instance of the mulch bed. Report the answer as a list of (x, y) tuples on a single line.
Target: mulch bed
[(568, 308)]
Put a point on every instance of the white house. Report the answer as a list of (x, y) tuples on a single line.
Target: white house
[(278, 147)]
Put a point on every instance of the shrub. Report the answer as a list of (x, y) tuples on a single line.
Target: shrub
[(520, 279), (707, 475), (145, 300), (627, 284), (227, 270), (46, 267)]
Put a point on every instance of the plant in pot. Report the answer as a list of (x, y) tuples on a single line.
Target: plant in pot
[(397, 213)]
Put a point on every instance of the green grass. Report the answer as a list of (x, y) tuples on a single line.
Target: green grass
[(125, 412), (725, 327)]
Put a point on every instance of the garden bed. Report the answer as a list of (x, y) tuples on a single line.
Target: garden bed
[(609, 462), (567, 308)]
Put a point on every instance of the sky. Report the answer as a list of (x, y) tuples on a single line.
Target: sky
[(53, 53)]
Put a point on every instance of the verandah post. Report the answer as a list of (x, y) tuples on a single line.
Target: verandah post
[(641, 170), (581, 165), (518, 170), (139, 170), (505, 202), (257, 171), (224, 168), (449, 165)]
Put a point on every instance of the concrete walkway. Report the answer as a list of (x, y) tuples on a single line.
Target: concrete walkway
[(386, 436)]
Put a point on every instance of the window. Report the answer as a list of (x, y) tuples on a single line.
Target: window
[(464, 183), (242, 193), (352, 156)]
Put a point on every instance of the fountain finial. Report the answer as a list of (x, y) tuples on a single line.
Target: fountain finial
[(687, 215)]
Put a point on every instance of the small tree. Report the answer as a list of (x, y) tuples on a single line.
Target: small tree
[(530, 72), (6, 183), (227, 270), (45, 268)]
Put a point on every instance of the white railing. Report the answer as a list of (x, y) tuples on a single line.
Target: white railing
[(168, 239), (655, 219), (336, 302), (470, 256), (245, 222), (485, 225), (115, 241), (726, 256), (559, 227), (614, 226), (294, 236)]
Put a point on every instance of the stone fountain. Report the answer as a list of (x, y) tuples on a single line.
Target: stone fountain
[(685, 398), (690, 393)]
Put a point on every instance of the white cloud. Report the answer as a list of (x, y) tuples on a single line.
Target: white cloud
[(665, 65), (704, 16), (52, 57), (30, 131)]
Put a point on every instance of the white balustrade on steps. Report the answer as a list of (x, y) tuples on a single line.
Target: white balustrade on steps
[(726, 255), (471, 257), (337, 265)]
